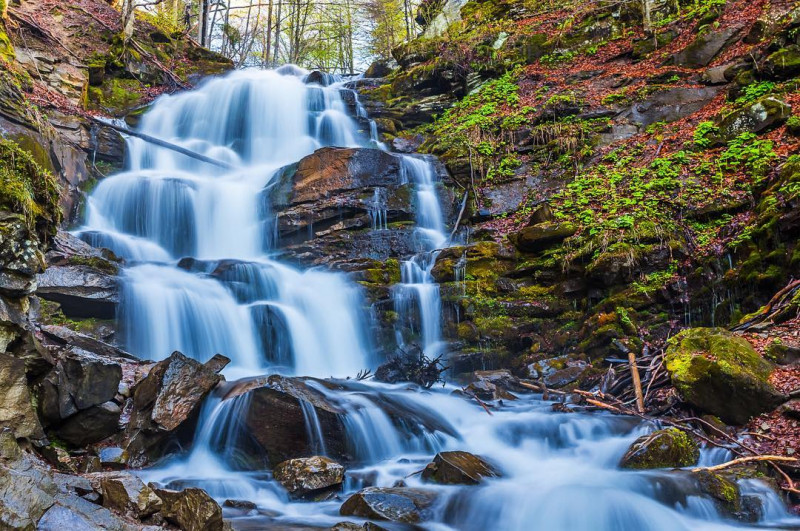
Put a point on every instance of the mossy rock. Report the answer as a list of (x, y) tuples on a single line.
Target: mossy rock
[(723, 491), (116, 96), (763, 115), (784, 63), (28, 189), (541, 236), (721, 374), (669, 448)]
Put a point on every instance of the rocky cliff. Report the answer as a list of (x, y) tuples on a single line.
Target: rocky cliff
[(627, 177)]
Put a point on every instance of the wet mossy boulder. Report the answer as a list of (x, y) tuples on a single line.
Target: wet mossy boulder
[(721, 374), (458, 468), (722, 490), (668, 448)]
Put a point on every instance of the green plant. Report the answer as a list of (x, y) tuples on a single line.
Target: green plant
[(704, 133), (755, 91)]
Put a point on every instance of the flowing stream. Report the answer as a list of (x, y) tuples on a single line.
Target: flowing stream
[(200, 279)]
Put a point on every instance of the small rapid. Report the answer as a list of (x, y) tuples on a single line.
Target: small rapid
[(202, 278)]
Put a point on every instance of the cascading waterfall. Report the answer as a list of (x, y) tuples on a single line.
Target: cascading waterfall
[(418, 293), (200, 280)]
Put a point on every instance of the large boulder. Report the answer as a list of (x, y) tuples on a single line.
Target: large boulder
[(405, 505), (81, 290), (705, 48), (763, 115), (127, 493), (16, 408), (721, 374), (76, 398), (307, 475), (33, 497), (191, 509), (669, 448), (340, 189), (170, 395), (541, 236), (784, 63), (458, 468), (276, 419)]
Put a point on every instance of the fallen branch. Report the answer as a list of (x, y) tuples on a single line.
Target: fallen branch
[(165, 144), (460, 214), (749, 459)]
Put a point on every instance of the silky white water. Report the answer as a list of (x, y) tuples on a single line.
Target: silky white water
[(559, 470)]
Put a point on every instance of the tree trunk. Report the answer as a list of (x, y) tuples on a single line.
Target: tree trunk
[(268, 40), (277, 34), (128, 19)]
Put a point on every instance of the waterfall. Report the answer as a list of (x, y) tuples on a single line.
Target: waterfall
[(199, 278), (418, 294), (166, 206)]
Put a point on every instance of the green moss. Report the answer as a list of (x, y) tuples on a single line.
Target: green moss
[(95, 262), (668, 448), (115, 95), (724, 491), (720, 373), (27, 188), (7, 54)]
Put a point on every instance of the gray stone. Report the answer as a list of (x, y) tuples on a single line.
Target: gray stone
[(16, 409), (82, 291)]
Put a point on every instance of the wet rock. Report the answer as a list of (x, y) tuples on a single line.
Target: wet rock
[(90, 425), (309, 474), (564, 377), (380, 68), (191, 509), (721, 374), (494, 385), (16, 409), (721, 489), (351, 526), (458, 468), (217, 363), (169, 396), (82, 291), (26, 491), (76, 397), (127, 493), (403, 144), (113, 457), (276, 420), (319, 78), (335, 189), (668, 448), (705, 47), (763, 115), (79, 381), (541, 236), (78, 514), (394, 504), (31, 496), (242, 505)]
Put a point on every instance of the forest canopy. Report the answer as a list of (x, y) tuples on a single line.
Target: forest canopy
[(341, 36)]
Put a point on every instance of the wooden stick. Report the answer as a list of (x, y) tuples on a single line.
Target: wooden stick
[(637, 382), (165, 144), (749, 459)]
